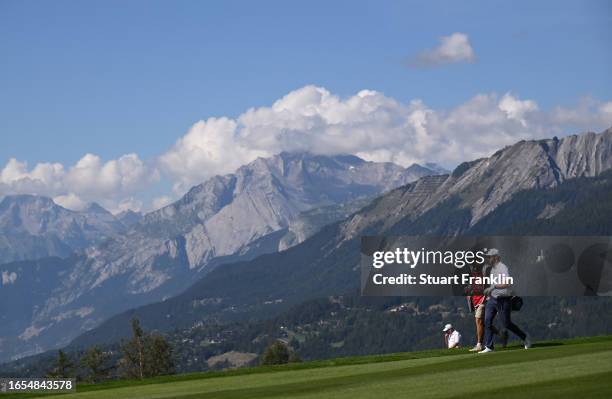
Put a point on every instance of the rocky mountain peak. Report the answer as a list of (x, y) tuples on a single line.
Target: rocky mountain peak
[(94, 207), (480, 186), (488, 182), (27, 200), (129, 217), (34, 226)]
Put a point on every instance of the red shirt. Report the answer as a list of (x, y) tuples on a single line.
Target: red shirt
[(477, 299)]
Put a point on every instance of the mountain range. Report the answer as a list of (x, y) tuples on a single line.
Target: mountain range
[(33, 227), (268, 205), (539, 186)]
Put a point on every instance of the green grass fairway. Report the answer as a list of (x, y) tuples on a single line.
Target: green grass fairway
[(561, 369)]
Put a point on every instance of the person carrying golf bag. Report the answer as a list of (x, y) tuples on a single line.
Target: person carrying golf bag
[(499, 302)]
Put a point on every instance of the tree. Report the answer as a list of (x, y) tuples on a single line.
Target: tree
[(277, 353), (145, 355), (93, 361), (159, 356), (62, 367), (132, 363)]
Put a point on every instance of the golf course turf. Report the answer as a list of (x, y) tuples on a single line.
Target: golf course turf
[(559, 369)]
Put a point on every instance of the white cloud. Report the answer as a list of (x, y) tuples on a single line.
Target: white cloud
[(96, 178), (455, 48), (368, 124), (210, 147), (160, 202), (517, 109), (70, 201), (588, 111), (131, 204), (44, 176), (371, 125), (90, 179)]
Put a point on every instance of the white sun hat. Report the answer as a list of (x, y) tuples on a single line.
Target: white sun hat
[(447, 327), (492, 252)]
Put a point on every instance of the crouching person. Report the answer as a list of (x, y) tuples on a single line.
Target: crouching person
[(452, 338)]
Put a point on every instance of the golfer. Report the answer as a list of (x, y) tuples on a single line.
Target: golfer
[(477, 302), (499, 301), (452, 338)]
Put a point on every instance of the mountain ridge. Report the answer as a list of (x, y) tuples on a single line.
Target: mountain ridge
[(33, 226), (327, 263), (258, 209)]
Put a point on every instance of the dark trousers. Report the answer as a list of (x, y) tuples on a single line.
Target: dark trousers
[(502, 306)]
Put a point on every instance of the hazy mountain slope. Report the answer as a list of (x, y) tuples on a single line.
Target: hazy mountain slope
[(129, 217), (310, 222), (36, 279), (327, 262), (33, 227), (258, 209), (224, 215)]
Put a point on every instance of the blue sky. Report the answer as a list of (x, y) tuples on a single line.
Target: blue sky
[(112, 78)]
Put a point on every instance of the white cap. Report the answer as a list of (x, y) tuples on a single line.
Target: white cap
[(447, 327), (492, 252)]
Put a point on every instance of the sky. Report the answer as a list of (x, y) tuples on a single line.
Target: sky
[(131, 103)]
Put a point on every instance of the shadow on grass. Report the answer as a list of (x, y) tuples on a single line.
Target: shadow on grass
[(591, 386), (547, 344)]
